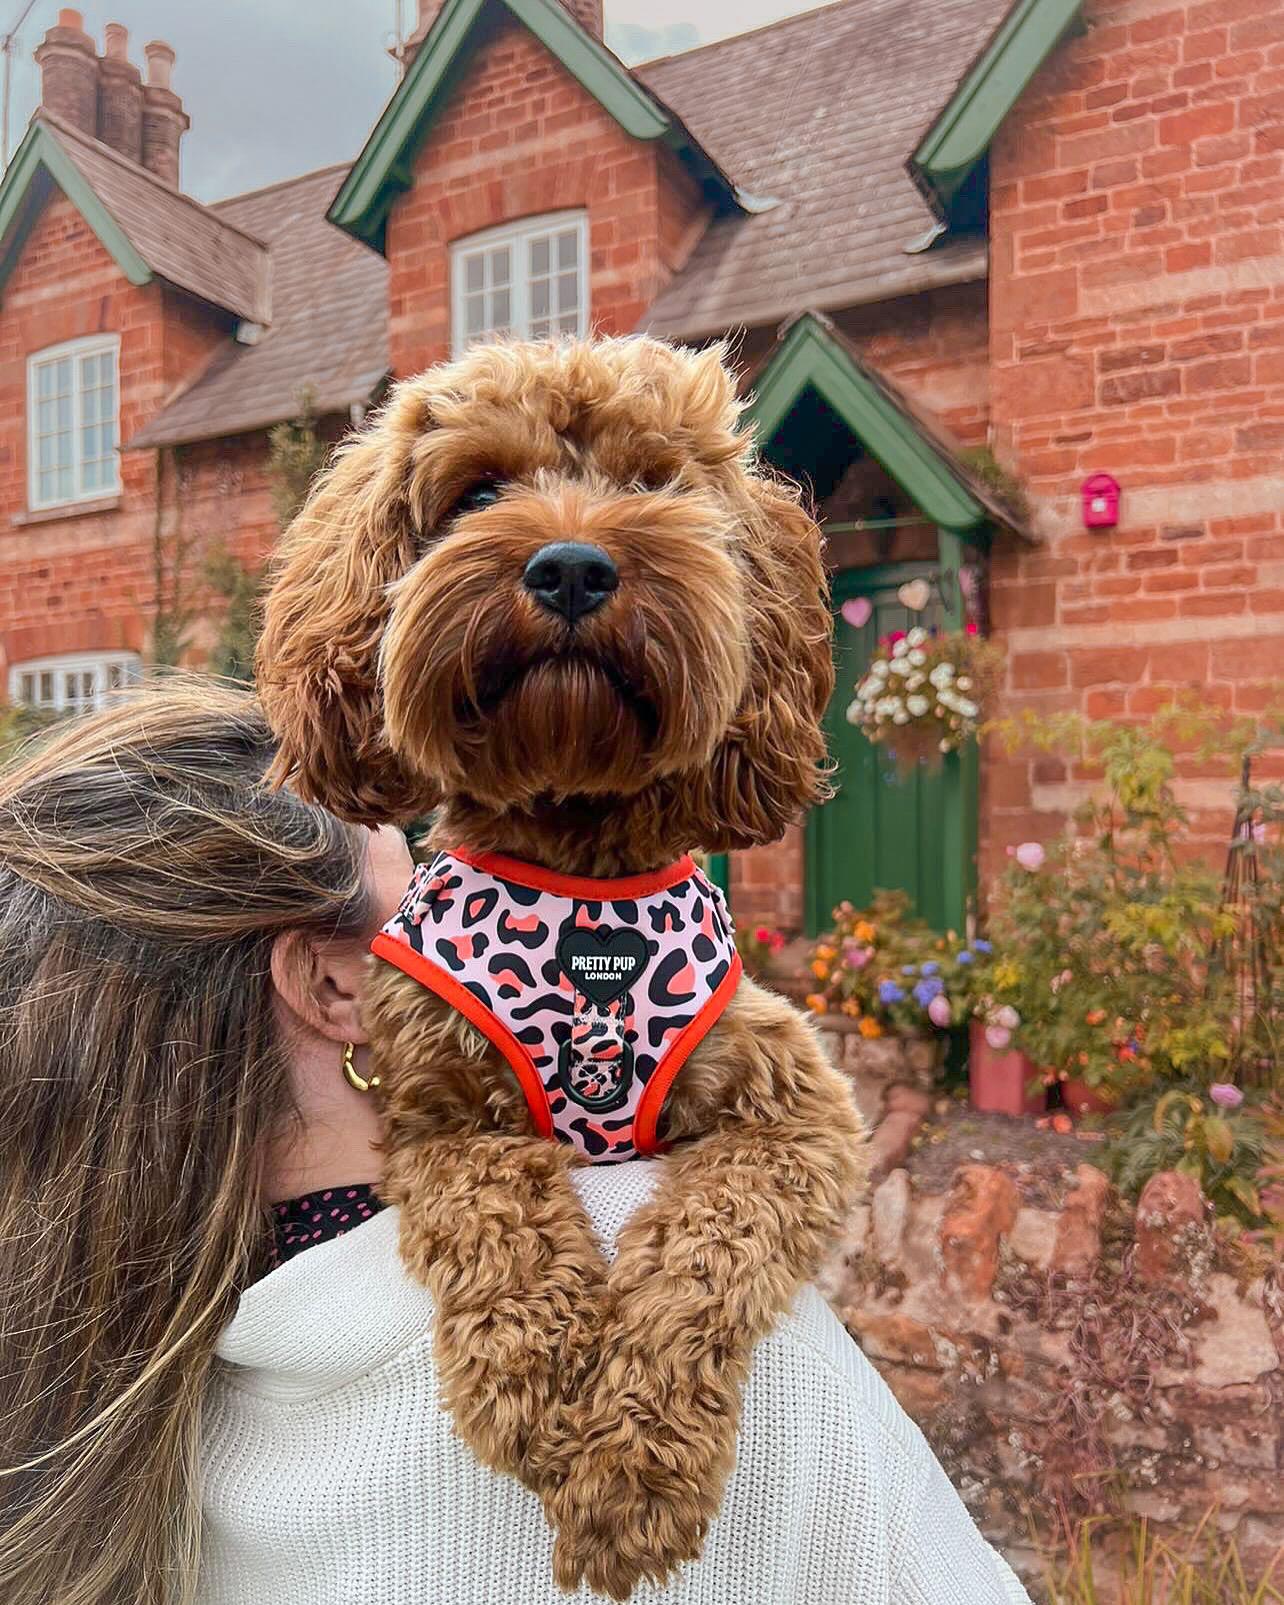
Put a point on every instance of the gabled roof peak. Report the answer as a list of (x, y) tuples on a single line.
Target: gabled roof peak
[(149, 228), (382, 171)]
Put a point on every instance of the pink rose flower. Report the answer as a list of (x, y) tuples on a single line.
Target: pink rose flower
[(1225, 1096), (1030, 855), (939, 1012), (998, 1036), (1007, 1018)]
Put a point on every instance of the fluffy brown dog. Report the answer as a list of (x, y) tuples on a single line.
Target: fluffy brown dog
[(407, 664)]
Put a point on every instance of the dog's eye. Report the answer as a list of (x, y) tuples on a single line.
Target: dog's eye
[(485, 493)]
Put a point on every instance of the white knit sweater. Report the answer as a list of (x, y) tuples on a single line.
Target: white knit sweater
[(331, 1476)]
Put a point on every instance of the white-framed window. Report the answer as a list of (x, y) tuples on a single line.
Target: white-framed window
[(528, 279), (76, 683), (73, 410)]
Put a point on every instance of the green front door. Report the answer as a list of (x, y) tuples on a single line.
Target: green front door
[(880, 831)]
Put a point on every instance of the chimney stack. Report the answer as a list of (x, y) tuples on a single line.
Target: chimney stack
[(164, 120), (120, 96), (69, 73)]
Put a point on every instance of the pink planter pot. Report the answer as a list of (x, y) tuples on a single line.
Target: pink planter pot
[(997, 1082), (1081, 1099)]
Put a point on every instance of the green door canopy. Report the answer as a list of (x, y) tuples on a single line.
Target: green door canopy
[(813, 355), (962, 132)]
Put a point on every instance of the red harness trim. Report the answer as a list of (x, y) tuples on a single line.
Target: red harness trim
[(585, 887), (687, 1040), (474, 1010)]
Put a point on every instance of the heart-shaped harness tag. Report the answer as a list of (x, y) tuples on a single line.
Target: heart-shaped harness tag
[(603, 963)]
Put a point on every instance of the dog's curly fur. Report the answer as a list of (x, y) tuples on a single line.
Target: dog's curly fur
[(405, 668)]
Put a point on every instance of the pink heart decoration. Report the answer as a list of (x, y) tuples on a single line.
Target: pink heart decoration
[(857, 611)]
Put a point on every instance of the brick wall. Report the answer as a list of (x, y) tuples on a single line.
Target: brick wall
[(520, 137), (1137, 302), (87, 581)]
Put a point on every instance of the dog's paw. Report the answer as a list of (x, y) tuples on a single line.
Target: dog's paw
[(623, 1519)]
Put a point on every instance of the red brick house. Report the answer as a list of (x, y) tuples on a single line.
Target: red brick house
[(1052, 228)]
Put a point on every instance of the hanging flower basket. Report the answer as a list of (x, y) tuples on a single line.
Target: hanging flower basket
[(923, 695)]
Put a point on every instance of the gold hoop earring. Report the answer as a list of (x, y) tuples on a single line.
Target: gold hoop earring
[(351, 1075)]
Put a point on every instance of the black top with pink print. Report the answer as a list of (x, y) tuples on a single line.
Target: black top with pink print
[(317, 1217)]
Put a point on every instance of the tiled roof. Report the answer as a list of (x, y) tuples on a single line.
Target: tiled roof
[(820, 112), (213, 256), (329, 326)]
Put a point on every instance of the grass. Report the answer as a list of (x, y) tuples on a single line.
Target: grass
[(1103, 1565)]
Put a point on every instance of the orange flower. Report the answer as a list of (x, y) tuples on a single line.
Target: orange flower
[(870, 1028), (851, 1007), (820, 969), (865, 932), (1095, 1016), (826, 952), (817, 1003)]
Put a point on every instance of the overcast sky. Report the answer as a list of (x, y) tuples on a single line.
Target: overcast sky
[(276, 87)]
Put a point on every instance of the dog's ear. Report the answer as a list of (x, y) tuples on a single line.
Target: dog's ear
[(317, 663), (770, 765)]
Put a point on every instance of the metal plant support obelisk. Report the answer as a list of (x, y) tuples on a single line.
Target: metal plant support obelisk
[(1243, 953)]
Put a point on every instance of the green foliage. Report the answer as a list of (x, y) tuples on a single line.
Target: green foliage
[(1106, 1562), (240, 589), (1181, 1129), (884, 967), (18, 725), (1005, 487), (757, 945), (296, 455), (1107, 942)]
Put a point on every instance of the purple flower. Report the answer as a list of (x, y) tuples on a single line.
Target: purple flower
[(930, 987), (889, 992), (907, 969), (932, 968), (1225, 1096), (983, 947), (965, 957)]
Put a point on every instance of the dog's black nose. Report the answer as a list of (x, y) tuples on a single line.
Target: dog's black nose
[(570, 578)]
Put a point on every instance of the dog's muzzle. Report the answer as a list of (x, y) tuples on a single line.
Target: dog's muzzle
[(571, 578)]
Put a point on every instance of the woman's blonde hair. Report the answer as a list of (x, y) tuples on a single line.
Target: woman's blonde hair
[(145, 870)]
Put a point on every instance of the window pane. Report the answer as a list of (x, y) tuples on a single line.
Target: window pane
[(474, 271), (499, 311), (115, 676), (46, 688), (539, 254), (45, 380), (540, 329), (474, 314), (568, 248), (501, 266), (568, 292), (63, 370), (65, 490), (539, 298), (27, 688)]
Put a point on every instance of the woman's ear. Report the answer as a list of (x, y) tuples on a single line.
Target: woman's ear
[(317, 663), (770, 766), (319, 981)]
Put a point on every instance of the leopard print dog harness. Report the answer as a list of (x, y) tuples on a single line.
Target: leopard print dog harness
[(595, 991)]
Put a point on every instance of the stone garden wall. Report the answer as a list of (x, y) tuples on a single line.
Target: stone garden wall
[(1065, 1353)]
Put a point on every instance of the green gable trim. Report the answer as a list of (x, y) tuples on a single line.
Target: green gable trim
[(39, 153), (809, 355), (962, 134), (382, 170)]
